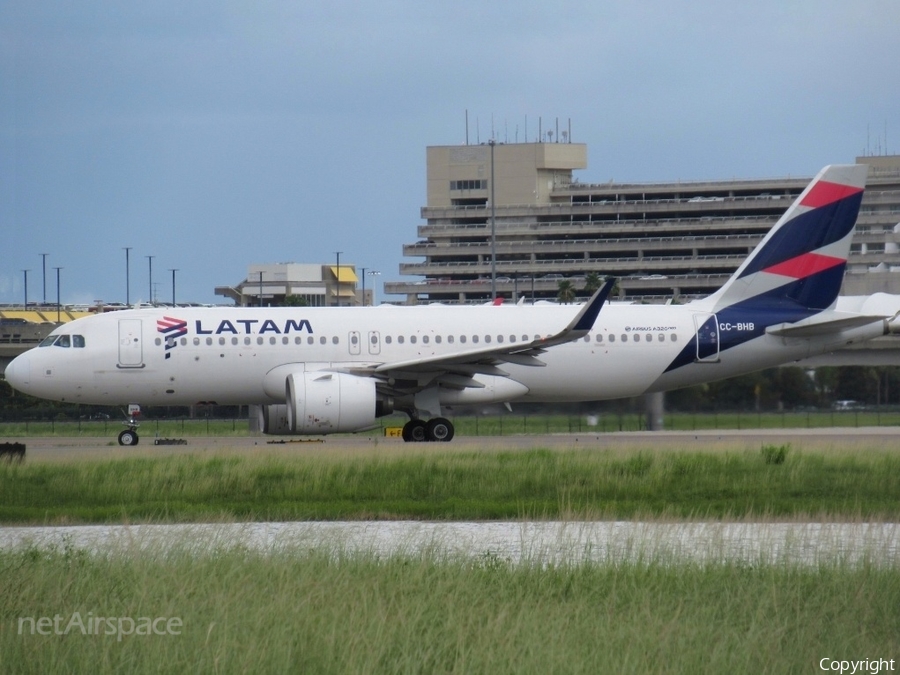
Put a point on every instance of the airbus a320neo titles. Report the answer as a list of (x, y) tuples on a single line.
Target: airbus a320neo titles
[(328, 370)]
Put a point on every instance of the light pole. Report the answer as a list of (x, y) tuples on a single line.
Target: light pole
[(26, 287), (127, 276), (337, 274), (150, 260), (363, 270), (173, 285), (492, 143), (58, 320), (44, 268), (373, 273)]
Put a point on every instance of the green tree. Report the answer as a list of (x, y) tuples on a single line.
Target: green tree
[(592, 282), (566, 291), (294, 301)]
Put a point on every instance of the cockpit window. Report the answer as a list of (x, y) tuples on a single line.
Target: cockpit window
[(76, 341)]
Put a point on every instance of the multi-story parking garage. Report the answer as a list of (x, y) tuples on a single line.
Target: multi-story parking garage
[(664, 241)]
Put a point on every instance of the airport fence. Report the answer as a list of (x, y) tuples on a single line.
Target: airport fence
[(483, 424)]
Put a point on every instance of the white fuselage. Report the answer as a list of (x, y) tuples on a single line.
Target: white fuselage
[(241, 355)]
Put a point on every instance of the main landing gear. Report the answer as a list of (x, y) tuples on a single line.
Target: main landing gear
[(435, 429)]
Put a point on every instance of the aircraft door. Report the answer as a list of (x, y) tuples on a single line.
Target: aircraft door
[(353, 342), (707, 330), (374, 342), (131, 351)]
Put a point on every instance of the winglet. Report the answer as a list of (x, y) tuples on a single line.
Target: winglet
[(583, 321), (588, 314)]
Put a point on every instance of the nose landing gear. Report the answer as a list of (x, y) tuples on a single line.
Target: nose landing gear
[(129, 436)]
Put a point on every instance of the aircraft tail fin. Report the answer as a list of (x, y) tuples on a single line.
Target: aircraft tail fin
[(801, 261)]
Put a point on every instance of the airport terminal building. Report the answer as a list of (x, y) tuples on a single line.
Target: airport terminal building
[(663, 241)]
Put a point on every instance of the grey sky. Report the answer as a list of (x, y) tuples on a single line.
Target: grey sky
[(213, 135)]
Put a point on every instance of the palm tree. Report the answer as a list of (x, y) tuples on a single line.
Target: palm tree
[(592, 282), (566, 291)]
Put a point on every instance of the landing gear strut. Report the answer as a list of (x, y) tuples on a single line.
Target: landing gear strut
[(435, 429)]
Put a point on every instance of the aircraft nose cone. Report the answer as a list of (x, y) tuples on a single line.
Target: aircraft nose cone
[(18, 372)]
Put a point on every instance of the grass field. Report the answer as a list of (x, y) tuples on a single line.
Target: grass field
[(487, 425), (241, 611), (329, 610), (773, 482)]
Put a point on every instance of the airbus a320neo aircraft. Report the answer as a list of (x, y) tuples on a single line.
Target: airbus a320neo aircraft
[(328, 370)]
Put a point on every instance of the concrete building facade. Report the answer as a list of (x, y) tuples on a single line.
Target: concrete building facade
[(314, 285), (663, 241)]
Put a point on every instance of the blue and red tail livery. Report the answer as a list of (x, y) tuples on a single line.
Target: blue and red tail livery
[(808, 247), (796, 271)]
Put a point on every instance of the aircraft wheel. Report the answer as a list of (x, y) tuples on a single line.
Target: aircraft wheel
[(128, 437), (414, 431), (439, 429)]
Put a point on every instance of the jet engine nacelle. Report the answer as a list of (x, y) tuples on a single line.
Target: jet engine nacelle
[(326, 403)]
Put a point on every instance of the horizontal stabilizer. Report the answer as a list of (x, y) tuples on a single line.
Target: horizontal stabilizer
[(834, 323)]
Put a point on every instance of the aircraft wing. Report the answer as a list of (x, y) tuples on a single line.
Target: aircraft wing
[(457, 369)]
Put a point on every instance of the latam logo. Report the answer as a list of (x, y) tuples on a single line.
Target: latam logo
[(254, 326), (171, 329)]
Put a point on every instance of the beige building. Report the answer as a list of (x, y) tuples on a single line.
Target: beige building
[(315, 285), (663, 241)]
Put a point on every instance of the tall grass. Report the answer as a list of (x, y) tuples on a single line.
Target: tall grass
[(585, 484), (327, 612)]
